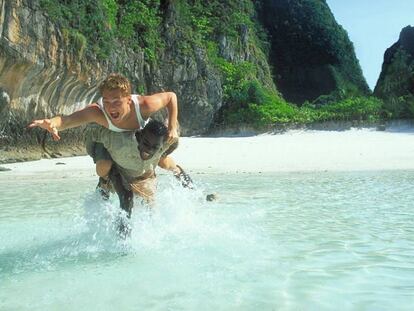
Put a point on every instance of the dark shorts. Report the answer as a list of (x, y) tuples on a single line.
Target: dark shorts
[(97, 151)]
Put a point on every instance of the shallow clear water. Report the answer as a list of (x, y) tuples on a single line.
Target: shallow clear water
[(297, 241)]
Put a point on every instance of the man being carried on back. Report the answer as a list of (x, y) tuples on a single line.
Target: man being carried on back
[(135, 157), (119, 111)]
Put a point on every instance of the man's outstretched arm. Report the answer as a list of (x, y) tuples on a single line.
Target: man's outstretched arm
[(90, 114)]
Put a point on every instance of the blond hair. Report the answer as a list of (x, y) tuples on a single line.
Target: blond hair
[(116, 81)]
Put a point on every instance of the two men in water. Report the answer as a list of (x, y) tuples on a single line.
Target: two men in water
[(121, 113)]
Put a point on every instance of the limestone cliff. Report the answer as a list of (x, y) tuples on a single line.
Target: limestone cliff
[(310, 53), (395, 84), (39, 76), (43, 74)]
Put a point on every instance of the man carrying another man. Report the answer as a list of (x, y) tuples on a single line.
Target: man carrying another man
[(119, 111)]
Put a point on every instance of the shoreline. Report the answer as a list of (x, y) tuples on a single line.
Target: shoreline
[(71, 144), (335, 126), (292, 151)]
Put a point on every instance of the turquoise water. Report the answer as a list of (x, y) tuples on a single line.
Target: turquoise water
[(297, 241)]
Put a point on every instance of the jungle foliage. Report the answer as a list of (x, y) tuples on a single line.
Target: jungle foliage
[(135, 23)]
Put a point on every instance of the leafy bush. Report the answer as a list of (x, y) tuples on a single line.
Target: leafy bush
[(399, 107), (253, 105), (111, 8), (76, 41), (87, 23), (139, 25), (97, 23), (356, 108)]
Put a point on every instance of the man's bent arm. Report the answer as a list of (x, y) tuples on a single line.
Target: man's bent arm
[(153, 103)]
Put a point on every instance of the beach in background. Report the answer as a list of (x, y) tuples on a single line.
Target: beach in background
[(292, 151)]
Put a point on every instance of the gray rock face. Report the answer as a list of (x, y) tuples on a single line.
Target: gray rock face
[(38, 76), (196, 82), (41, 76), (4, 100), (407, 39), (36, 68)]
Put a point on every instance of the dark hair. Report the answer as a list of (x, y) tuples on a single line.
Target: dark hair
[(156, 127)]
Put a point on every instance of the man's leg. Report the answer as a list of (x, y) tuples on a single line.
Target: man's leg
[(169, 164), (125, 195), (166, 162), (103, 167), (126, 201), (103, 161)]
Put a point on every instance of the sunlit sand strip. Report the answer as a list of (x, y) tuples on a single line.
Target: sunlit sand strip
[(293, 151)]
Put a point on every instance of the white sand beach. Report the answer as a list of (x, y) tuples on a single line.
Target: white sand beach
[(293, 151)]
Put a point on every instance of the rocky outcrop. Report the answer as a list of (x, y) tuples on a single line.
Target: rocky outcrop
[(395, 84), (42, 75), (196, 82), (39, 76), (310, 53)]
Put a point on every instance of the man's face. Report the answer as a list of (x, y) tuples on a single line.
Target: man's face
[(116, 105), (148, 144)]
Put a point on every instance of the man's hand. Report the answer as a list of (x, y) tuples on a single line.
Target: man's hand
[(172, 135), (47, 125)]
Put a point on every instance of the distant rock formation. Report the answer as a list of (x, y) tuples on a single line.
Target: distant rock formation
[(310, 53), (395, 84)]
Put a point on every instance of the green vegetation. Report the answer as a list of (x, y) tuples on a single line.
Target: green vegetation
[(139, 26), (353, 108), (94, 25), (396, 85), (249, 101), (75, 41), (311, 54), (255, 106), (111, 9)]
